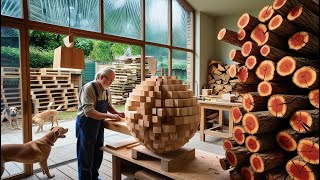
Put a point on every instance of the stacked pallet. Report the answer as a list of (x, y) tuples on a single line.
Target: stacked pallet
[(219, 80), (52, 85), (128, 75), (10, 88), (162, 113), (277, 128)]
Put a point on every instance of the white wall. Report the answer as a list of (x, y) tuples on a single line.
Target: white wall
[(207, 45)]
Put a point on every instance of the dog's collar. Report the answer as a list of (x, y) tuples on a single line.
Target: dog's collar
[(45, 139)]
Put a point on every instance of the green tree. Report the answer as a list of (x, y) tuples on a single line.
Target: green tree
[(119, 49), (85, 44), (101, 52), (45, 40)]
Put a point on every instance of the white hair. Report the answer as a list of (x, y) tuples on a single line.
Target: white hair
[(104, 71)]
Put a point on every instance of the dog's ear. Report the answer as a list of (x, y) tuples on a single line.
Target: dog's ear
[(8, 110), (51, 128)]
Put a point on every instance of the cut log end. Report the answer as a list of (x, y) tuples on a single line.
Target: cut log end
[(301, 121), (236, 114), (250, 123), (252, 144), (257, 163), (243, 20), (298, 40), (314, 97), (277, 4), (251, 62), (260, 34), (275, 22), (242, 74), (246, 48), (308, 150), (232, 70), (305, 77), (299, 169), (228, 143), (265, 13), (286, 66), (265, 50), (266, 70), (247, 102), (277, 105), (238, 134), (286, 142), (222, 33), (232, 158), (294, 13), (247, 173), (225, 165), (264, 88), (241, 34)]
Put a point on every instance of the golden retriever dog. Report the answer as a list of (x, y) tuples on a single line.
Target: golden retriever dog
[(33, 151), (44, 116), (10, 114)]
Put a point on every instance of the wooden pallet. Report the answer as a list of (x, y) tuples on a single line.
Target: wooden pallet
[(171, 161)]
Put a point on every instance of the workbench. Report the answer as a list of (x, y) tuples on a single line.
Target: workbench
[(205, 166), (219, 129)]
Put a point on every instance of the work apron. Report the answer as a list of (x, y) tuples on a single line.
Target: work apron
[(90, 135)]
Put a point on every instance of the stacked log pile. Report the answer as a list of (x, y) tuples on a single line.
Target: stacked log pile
[(276, 134), (219, 80)]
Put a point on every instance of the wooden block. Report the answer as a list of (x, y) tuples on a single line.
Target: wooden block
[(120, 143), (171, 161), (157, 88), (152, 94), (147, 88), (158, 103), (168, 103), (156, 129), (65, 57), (148, 83), (154, 111), (150, 99), (161, 112), (178, 102), (156, 119), (169, 128)]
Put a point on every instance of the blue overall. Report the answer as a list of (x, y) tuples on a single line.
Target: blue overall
[(90, 134)]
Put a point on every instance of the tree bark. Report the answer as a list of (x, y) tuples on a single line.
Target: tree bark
[(261, 36), (229, 37), (224, 163), (247, 22), (282, 27), (304, 43), (260, 142), (261, 122), (252, 102), (288, 64), (262, 162), (283, 106), (250, 48), (237, 156), (247, 77), (288, 139), (273, 53), (229, 143), (236, 56)]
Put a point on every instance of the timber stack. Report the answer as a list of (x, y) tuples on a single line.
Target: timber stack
[(219, 79), (276, 134)]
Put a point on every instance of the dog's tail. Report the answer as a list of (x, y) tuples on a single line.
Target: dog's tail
[(59, 107)]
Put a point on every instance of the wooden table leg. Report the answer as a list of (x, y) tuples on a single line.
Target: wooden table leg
[(202, 123), (230, 125), (116, 168)]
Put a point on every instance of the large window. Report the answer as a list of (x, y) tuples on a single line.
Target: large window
[(12, 8), (11, 95), (78, 14), (157, 21), (161, 55), (123, 18), (181, 26)]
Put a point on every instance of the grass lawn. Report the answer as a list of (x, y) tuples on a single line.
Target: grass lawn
[(72, 115)]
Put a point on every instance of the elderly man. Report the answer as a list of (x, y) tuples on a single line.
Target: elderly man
[(94, 107)]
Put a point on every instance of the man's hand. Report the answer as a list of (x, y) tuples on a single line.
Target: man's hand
[(116, 117), (121, 114)]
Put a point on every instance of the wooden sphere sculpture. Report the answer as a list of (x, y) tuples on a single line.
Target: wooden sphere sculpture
[(162, 113)]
